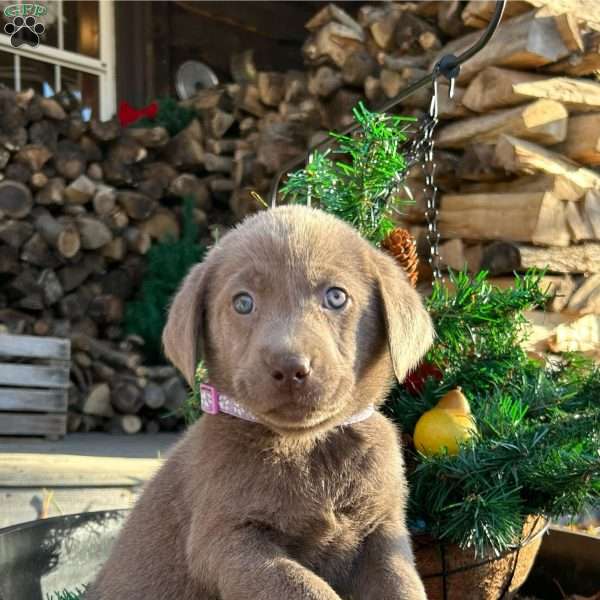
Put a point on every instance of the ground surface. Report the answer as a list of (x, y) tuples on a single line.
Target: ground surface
[(82, 472)]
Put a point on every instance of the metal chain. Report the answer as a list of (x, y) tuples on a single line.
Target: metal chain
[(430, 189)]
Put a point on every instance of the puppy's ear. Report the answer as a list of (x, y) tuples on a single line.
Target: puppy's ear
[(183, 334), (409, 327)]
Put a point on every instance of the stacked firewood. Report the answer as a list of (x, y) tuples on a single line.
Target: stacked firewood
[(517, 149), (517, 152), (80, 205)]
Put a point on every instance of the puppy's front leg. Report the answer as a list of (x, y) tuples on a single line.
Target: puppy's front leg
[(385, 569), (245, 564)]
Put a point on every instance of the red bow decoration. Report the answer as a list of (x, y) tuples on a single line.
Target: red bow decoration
[(128, 114)]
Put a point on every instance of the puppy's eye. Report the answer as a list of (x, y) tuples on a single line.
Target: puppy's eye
[(243, 304), (335, 298)]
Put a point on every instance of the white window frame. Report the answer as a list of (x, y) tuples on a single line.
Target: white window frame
[(103, 67)]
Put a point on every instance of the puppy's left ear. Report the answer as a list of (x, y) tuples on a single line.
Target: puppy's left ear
[(409, 327)]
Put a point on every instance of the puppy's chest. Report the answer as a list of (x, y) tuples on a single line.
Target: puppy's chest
[(327, 502)]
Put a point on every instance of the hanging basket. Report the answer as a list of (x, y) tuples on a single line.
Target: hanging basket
[(450, 573)]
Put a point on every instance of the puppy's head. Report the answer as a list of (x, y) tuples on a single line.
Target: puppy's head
[(299, 319)]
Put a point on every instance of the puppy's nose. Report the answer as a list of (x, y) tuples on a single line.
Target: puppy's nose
[(289, 368)]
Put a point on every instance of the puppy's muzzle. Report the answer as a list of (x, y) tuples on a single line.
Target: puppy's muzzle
[(288, 370)]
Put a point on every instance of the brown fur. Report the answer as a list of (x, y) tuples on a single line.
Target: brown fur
[(297, 507)]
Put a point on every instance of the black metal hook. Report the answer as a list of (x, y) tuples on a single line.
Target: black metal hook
[(448, 65)]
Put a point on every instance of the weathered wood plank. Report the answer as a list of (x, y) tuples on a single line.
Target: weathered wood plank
[(23, 399), (31, 424), (35, 346), (34, 375), (62, 470)]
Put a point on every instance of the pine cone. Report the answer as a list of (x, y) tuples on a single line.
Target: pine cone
[(403, 247)]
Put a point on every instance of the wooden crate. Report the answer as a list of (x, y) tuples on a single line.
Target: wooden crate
[(34, 381)]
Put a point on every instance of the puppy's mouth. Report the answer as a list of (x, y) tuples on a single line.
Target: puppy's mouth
[(296, 411)]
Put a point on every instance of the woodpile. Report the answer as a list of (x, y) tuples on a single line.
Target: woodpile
[(518, 151), (80, 206), (518, 147)]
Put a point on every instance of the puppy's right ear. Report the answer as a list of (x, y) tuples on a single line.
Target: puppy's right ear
[(183, 334)]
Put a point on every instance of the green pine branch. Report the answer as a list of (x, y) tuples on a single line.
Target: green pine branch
[(357, 181), (536, 452)]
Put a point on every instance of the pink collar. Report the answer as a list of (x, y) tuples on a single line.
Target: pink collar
[(213, 403)]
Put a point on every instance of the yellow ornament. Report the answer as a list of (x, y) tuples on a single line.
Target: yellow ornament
[(447, 424)]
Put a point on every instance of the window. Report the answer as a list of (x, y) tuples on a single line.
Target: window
[(76, 53)]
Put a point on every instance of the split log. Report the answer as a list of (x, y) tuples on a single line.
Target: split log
[(150, 137), (69, 160), (50, 286), (161, 225), (585, 62), (115, 250), (137, 240), (333, 41), (154, 396), (583, 139), (188, 184), (332, 13), (72, 276), (52, 193), (90, 149), (525, 42), (15, 199), (496, 88), (38, 180), (158, 372), (104, 200), (15, 233), (217, 122), (214, 163), (324, 81), (592, 211), (106, 308), (558, 186), (126, 396), (504, 257), (542, 121), (586, 299), (271, 87), (103, 351), (477, 13), (130, 424), (175, 393), (477, 164), (18, 172), (582, 335), (45, 134), (136, 205), (105, 131), (93, 233), (519, 156), (185, 149), (52, 109), (61, 235), (35, 156), (116, 220), (80, 191), (37, 252), (357, 67), (579, 225), (532, 217), (97, 401), (126, 151)]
